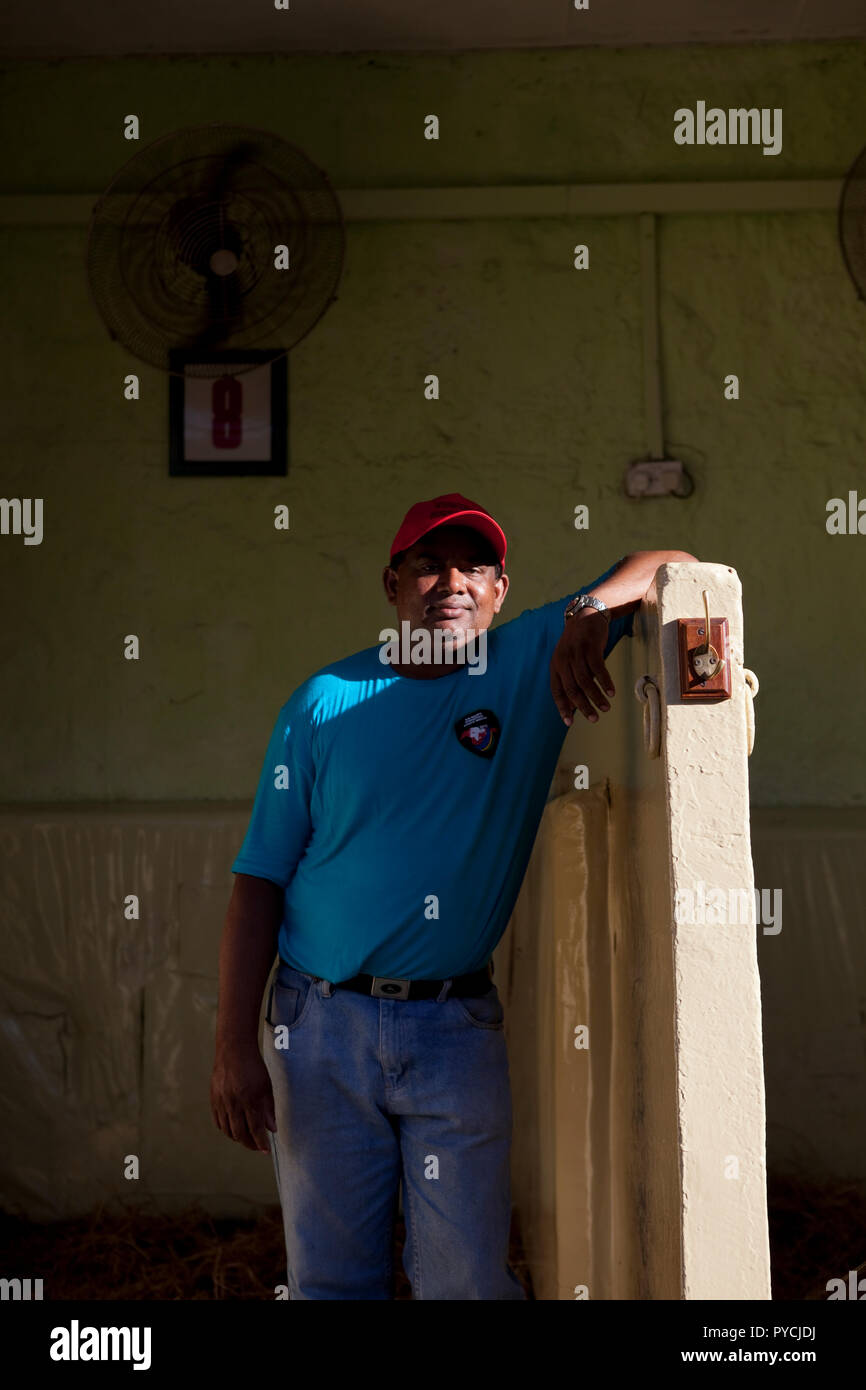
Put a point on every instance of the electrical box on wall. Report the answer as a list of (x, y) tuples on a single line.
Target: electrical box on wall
[(705, 659)]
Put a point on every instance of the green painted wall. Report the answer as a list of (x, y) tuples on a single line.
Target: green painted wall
[(541, 403)]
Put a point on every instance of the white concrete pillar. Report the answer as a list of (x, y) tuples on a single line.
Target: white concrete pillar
[(639, 1161), (689, 1217)]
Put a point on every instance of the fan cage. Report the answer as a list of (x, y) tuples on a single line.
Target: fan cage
[(154, 271)]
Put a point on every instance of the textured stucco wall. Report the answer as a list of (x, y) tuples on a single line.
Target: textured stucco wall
[(688, 1130), (717, 1015), (553, 974), (541, 402), (639, 1160), (646, 1197)]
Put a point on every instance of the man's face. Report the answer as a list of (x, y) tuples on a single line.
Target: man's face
[(447, 581)]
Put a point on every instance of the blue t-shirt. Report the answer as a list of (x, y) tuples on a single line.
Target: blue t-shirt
[(396, 816)]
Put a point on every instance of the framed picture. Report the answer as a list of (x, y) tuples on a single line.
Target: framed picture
[(233, 423)]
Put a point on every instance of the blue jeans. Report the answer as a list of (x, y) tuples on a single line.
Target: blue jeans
[(368, 1092)]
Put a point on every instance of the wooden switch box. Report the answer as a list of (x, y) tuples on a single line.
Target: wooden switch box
[(691, 636)]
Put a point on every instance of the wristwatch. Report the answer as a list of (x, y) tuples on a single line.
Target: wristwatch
[(585, 601)]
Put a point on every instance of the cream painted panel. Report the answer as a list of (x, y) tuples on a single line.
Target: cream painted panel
[(543, 969), (108, 1022)]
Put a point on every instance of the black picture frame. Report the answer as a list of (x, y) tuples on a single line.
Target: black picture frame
[(276, 464)]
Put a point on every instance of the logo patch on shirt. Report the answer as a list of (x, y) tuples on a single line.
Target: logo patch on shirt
[(479, 732)]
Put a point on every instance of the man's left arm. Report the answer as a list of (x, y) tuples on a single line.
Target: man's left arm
[(579, 678)]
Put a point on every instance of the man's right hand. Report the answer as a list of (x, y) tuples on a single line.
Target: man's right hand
[(241, 1096)]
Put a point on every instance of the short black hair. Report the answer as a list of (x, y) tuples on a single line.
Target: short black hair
[(400, 555)]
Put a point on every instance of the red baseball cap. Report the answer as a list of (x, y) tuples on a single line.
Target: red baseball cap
[(452, 508)]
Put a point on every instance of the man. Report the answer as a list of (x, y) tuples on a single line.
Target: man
[(393, 822)]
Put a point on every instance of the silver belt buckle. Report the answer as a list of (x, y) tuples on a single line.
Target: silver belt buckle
[(390, 989)]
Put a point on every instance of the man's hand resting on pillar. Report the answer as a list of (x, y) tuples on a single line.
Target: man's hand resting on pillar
[(579, 679)]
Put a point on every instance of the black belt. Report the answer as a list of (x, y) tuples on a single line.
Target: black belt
[(381, 987)]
